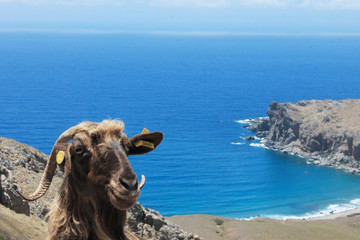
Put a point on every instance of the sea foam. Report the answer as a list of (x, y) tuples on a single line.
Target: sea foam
[(250, 120), (245, 121), (329, 210), (260, 145)]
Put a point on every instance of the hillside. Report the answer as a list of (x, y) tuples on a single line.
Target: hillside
[(219, 228), (21, 168)]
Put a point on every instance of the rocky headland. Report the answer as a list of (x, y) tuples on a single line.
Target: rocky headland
[(21, 166), (326, 132)]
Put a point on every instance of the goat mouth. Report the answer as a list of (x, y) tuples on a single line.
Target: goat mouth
[(122, 199), (123, 194)]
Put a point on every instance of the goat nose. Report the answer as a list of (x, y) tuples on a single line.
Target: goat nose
[(129, 184)]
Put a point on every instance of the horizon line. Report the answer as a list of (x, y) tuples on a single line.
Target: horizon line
[(177, 33)]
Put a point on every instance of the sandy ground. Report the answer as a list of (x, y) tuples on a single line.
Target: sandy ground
[(350, 213), (342, 226)]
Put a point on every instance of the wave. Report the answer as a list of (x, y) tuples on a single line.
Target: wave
[(257, 144), (245, 121), (328, 211), (237, 143), (250, 120), (261, 145)]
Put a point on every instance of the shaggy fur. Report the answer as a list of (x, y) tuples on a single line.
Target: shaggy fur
[(99, 183)]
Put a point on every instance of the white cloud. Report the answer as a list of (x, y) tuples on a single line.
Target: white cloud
[(323, 4), (347, 4), (188, 3), (350, 4), (67, 2)]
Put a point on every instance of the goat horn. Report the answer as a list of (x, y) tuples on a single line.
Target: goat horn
[(50, 168), (142, 183)]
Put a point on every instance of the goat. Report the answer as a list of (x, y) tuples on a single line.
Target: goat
[(99, 182)]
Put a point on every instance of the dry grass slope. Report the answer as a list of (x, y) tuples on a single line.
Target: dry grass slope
[(20, 227), (217, 228)]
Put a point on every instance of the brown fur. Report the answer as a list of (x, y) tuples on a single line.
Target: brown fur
[(99, 184)]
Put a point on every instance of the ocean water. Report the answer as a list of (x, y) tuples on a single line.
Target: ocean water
[(194, 89)]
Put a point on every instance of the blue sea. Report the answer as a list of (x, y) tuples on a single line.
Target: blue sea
[(197, 90)]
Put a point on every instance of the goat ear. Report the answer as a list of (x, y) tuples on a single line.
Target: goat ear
[(144, 142), (62, 151)]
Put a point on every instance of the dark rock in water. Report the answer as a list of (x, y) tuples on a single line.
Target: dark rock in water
[(259, 125), (249, 138), (325, 130), (262, 134)]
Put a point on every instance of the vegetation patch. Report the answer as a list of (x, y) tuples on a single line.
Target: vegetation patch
[(4, 236), (219, 222)]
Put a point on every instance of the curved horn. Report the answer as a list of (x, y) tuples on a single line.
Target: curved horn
[(50, 168), (142, 183)]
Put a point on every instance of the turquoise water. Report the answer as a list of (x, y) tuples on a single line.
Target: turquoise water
[(194, 90)]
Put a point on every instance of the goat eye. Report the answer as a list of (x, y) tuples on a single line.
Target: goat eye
[(79, 149)]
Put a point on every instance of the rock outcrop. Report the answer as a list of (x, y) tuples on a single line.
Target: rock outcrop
[(148, 223), (326, 132), (17, 160), (21, 166)]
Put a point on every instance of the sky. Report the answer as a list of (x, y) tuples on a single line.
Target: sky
[(222, 16)]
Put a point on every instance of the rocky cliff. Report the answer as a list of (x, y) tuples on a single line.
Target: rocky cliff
[(326, 132), (22, 166)]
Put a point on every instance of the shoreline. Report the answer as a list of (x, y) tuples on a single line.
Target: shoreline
[(331, 216), (345, 226), (347, 213), (332, 211), (252, 124), (311, 159), (323, 131)]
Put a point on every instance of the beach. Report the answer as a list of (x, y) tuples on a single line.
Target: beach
[(348, 213), (344, 225)]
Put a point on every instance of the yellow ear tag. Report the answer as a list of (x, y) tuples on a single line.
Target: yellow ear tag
[(145, 131), (60, 157), (144, 144)]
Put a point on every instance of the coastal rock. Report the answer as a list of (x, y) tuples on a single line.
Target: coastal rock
[(325, 130), (21, 167), (249, 138), (259, 124), (13, 156), (150, 224)]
